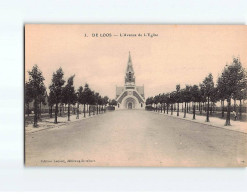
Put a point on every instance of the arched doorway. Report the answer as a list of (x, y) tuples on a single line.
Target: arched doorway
[(130, 105)]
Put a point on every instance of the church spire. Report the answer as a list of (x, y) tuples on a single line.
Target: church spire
[(129, 65), (130, 61), (129, 77)]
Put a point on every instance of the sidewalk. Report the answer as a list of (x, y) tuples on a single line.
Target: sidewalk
[(213, 121), (49, 122)]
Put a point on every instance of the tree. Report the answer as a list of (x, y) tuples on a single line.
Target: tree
[(186, 98), (36, 89), (172, 100), (242, 95), (97, 102), (221, 95), (56, 88), (51, 101), (167, 101), (41, 100), (28, 96), (105, 101), (233, 81), (195, 94), (113, 102), (203, 98), (87, 94), (200, 99), (208, 86), (69, 95), (177, 97), (156, 101), (80, 99), (100, 102), (214, 98), (162, 102), (91, 101), (149, 101)]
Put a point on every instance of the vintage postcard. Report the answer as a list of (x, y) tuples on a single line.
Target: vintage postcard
[(135, 95)]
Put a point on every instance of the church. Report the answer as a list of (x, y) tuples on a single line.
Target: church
[(130, 96)]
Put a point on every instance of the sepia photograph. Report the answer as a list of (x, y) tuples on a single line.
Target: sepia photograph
[(135, 95)]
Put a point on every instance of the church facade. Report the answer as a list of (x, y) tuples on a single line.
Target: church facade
[(130, 96)]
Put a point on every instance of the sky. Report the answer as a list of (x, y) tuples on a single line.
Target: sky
[(179, 54)]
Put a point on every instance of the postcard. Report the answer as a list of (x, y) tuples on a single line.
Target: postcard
[(135, 95)]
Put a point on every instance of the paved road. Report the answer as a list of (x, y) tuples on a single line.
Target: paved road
[(136, 138)]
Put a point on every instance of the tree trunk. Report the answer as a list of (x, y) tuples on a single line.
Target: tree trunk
[(35, 121), (60, 110), (171, 109), (77, 117), (56, 112), (211, 108), (50, 111), (240, 109), (187, 106), (200, 106), (68, 112), (167, 108), (223, 109), (84, 111), (27, 109), (178, 109), (185, 110), (161, 108), (89, 114), (228, 115), (194, 111), (39, 111), (208, 111)]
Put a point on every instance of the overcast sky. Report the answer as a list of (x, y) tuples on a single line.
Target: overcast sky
[(179, 54)]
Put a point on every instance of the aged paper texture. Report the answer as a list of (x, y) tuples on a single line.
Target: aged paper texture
[(135, 95)]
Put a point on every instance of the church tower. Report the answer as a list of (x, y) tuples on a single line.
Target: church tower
[(129, 75), (130, 96)]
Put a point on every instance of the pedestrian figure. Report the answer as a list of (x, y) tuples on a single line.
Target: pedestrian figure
[(235, 115)]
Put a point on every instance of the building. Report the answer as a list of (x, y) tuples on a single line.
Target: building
[(130, 96)]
